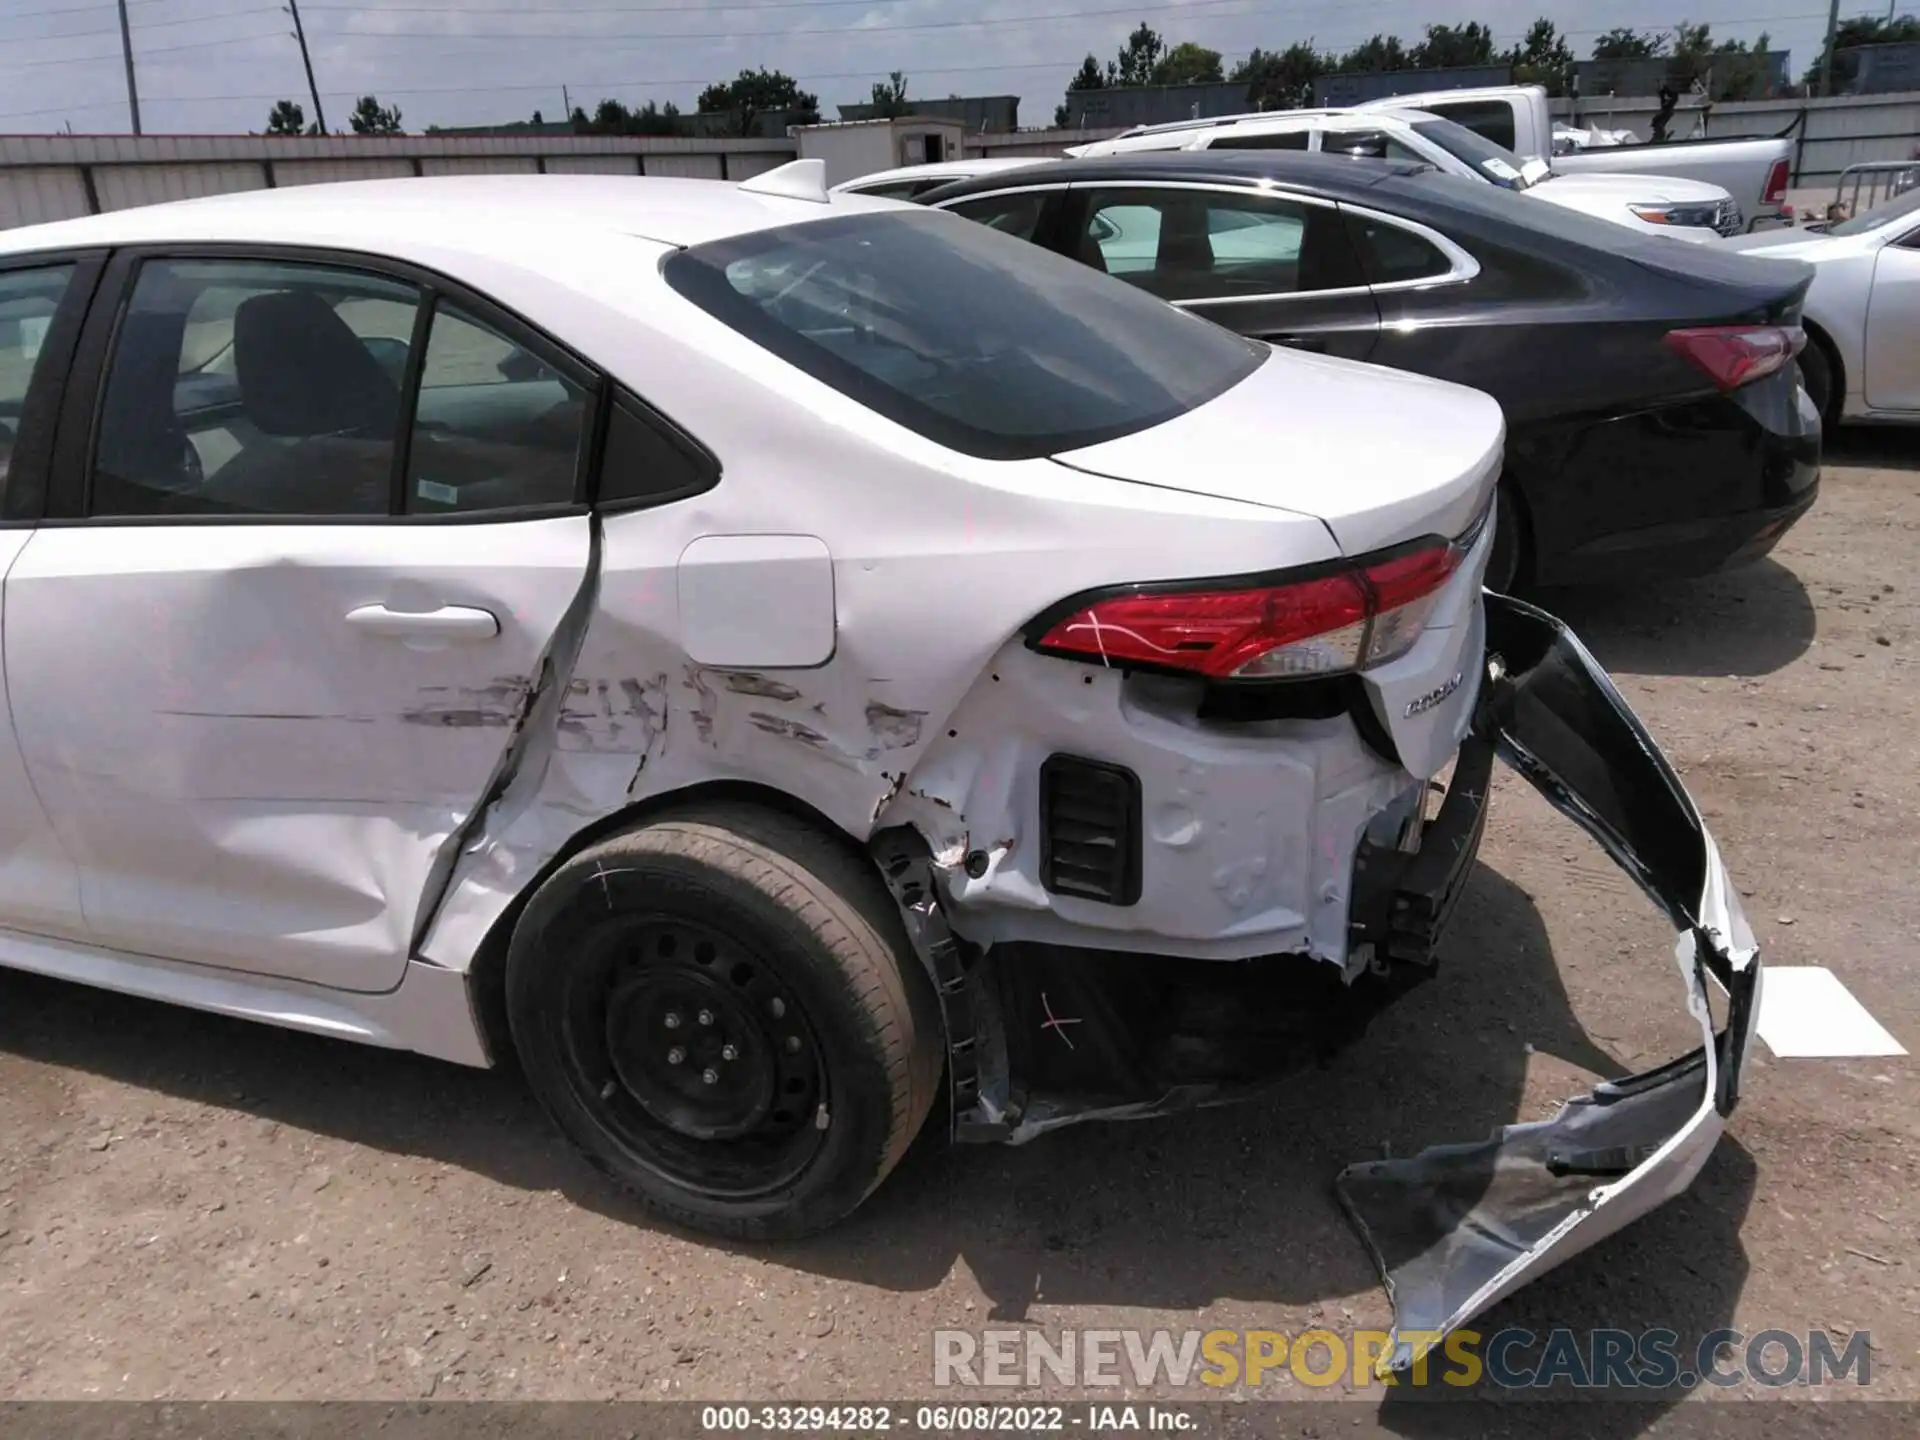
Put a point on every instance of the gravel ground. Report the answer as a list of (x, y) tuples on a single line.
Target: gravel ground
[(192, 1207)]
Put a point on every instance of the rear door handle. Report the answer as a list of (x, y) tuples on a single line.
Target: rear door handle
[(1301, 342), (426, 629)]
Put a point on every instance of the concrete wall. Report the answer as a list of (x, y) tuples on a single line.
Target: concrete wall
[(57, 177)]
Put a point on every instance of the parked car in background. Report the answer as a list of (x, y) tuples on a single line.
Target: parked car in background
[(1656, 423), (1862, 360), (1755, 172), (766, 651), (909, 182), (1663, 205)]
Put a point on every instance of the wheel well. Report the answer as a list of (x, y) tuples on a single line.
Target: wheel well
[(1837, 399), (487, 976)]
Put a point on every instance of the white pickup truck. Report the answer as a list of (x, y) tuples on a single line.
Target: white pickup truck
[(1662, 204), (1755, 172)]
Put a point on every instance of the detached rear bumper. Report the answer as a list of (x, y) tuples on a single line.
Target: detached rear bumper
[(1458, 1227)]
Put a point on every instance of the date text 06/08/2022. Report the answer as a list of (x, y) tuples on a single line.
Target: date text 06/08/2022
[(944, 1419)]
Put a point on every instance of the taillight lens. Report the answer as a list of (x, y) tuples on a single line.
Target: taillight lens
[(1348, 620), (1776, 190), (1736, 355)]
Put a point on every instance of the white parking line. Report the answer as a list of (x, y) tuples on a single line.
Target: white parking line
[(1807, 1014)]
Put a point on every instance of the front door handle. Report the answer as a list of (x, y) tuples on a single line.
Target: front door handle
[(426, 629)]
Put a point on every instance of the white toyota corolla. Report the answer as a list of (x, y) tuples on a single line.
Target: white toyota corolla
[(758, 656)]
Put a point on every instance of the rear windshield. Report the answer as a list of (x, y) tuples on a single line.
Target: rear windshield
[(1489, 161), (983, 343)]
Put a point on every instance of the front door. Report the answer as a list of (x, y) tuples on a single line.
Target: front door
[(1280, 269), (1893, 327), (272, 657)]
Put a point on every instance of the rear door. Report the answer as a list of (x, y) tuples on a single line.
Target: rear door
[(1893, 323), (1274, 267), (267, 653), (43, 299)]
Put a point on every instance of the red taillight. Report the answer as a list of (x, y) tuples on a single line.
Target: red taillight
[(1735, 355), (1776, 190), (1347, 620)]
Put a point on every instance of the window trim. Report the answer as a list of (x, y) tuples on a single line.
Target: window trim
[(71, 479), (42, 407)]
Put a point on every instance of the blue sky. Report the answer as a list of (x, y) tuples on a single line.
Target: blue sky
[(217, 65)]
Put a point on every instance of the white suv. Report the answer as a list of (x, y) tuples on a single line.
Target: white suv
[(1658, 203)]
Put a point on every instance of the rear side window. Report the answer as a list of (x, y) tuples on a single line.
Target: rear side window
[(494, 427), (1394, 255), (1271, 140), (1192, 244), (981, 343), (28, 300), (643, 463), (242, 387)]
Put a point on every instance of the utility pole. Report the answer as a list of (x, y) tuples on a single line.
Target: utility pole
[(1826, 58), (566, 104), (126, 49), (300, 34)]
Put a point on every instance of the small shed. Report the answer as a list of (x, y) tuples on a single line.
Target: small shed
[(852, 148)]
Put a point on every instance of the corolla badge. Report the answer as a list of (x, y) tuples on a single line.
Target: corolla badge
[(1434, 697)]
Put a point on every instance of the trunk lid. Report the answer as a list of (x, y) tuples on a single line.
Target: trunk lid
[(1380, 456)]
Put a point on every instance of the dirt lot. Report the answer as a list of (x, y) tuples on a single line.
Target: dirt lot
[(192, 1207)]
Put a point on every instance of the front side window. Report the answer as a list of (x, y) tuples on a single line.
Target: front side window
[(981, 343), (1017, 215), (28, 300), (243, 387), (1213, 245)]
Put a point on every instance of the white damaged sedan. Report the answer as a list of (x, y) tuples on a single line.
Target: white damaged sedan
[(774, 661)]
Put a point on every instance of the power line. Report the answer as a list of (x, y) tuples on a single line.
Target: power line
[(142, 52), (138, 26)]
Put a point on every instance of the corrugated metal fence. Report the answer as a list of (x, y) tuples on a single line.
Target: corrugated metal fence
[(57, 177), (1846, 130)]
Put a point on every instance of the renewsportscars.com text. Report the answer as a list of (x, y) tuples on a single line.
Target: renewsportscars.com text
[(1512, 1359)]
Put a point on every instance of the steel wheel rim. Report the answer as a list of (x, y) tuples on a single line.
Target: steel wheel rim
[(750, 1130)]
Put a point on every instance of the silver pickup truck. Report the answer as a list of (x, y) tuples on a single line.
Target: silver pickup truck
[(1754, 172)]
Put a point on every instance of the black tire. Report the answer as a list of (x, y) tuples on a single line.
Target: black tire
[(1817, 372), (1509, 565), (734, 915)]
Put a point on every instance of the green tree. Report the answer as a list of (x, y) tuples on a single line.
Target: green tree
[(286, 118), (370, 117), (1089, 77), (1543, 58), (890, 96), (1139, 58), (1861, 30), (1622, 43), (1382, 52), (1188, 64), (1281, 79), (752, 93), (1446, 46)]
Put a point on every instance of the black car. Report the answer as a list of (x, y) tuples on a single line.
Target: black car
[(1656, 422)]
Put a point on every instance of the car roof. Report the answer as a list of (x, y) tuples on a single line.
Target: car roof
[(1335, 176), (475, 214)]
